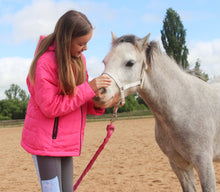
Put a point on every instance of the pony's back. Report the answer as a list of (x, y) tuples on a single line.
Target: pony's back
[(215, 80)]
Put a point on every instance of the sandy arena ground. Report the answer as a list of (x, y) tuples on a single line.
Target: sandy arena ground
[(130, 162)]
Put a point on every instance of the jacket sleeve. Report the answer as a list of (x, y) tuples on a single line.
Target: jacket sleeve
[(46, 91), (92, 110)]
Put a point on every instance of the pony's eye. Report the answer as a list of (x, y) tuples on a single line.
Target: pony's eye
[(130, 63)]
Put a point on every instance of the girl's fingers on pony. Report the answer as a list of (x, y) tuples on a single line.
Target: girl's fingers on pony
[(103, 81), (99, 82), (106, 81)]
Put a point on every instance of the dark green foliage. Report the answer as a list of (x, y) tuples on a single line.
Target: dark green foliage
[(132, 103), (15, 106), (173, 38)]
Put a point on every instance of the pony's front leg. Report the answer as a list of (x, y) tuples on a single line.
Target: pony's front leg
[(205, 169), (185, 176)]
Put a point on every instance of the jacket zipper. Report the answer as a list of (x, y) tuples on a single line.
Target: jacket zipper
[(81, 130), (55, 128)]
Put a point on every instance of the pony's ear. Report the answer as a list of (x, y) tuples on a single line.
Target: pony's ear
[(114, 37), (144, 42)]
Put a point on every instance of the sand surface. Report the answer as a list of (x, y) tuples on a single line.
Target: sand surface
[(130, 162)]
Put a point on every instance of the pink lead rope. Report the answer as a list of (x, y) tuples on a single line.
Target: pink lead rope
[(110, 129)]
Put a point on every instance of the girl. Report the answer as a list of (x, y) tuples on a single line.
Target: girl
[(61, 96)]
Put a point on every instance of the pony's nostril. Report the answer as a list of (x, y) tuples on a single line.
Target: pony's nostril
[(102, 90), (96, 99)]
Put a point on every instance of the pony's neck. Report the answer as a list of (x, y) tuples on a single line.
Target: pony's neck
[(164, 84)]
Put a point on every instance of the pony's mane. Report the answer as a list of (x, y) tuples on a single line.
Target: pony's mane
[(152, 46), (126, 39)]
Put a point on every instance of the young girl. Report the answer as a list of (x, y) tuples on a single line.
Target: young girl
[(61, 96)]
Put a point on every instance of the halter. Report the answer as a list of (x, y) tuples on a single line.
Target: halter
[(122, 88)]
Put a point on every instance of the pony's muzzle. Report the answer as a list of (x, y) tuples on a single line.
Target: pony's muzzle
[(99, 95), (102, 90), (105, 99)]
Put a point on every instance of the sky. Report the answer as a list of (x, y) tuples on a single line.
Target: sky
[(23, 21)]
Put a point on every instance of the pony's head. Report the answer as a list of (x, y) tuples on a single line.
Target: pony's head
[(125, 64)]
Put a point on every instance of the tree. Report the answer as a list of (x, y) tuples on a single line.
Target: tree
[(131, 104), (16, 93), (15, 106), (5, 110), (196, 71), (173, 38)]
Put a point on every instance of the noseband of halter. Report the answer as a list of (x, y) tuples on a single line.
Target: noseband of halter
[(122, 88)]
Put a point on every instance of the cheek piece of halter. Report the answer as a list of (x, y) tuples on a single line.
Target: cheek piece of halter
[(123, 88)]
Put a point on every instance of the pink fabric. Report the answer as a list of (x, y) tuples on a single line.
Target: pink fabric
[(46, 103)]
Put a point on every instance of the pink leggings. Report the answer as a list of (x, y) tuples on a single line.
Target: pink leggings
[(55, 173)]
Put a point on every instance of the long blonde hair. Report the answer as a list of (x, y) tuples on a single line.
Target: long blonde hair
[(71, 71)]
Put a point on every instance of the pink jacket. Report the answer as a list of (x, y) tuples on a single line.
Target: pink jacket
[(54, 123)]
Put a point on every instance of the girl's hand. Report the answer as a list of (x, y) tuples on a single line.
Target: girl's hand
[(100, 82)]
